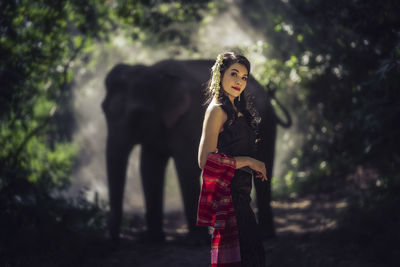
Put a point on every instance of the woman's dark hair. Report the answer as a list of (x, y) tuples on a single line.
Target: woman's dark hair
[(244, 105)]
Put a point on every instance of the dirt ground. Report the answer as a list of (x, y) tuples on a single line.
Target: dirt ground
[(305, 228)]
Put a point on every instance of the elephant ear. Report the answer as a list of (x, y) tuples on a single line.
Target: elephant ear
[(176, 99)]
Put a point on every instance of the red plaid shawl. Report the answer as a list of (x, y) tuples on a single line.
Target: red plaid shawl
[(216, 209)]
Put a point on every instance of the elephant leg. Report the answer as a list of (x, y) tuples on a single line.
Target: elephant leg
[(117, 153), (265, 215), (263, 189), (188, 176), (152, 165)]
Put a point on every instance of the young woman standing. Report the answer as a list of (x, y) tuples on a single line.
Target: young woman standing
[(226, 156)]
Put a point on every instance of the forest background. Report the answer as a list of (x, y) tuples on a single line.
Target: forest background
[(334, 64)]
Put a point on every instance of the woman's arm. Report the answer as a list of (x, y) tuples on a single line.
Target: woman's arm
[(254, 164), (214, 120)]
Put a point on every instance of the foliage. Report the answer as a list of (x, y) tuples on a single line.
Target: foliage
[(337, 62), (47, 230), (371, 222), (158, 22), (39, 41)]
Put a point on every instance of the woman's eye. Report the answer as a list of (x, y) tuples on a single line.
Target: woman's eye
[(234, 74), (244, 78)]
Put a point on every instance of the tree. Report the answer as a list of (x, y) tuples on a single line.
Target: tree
[(344, 56), (39, 41)]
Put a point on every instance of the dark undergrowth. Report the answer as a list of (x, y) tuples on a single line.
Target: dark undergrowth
[(37, 229)]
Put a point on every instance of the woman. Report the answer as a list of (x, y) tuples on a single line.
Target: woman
[(226, 156)]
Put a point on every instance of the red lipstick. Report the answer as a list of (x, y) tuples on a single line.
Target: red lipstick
[(236, 88)]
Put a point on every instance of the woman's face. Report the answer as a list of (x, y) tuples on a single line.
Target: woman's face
[(234, 80)]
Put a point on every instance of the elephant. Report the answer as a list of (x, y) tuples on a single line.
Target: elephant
[(162, 108)]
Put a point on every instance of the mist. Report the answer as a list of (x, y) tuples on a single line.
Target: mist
[(222, 32)]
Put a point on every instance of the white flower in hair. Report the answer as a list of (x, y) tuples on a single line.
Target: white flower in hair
[(216, 76)]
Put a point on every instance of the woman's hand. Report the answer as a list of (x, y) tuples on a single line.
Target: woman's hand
[(259, 168), (252, 163)]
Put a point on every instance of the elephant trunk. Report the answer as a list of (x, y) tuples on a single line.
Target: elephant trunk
[(288, 122), (271, 90)]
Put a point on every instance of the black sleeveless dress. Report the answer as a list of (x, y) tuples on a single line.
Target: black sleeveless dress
[(238, 139)]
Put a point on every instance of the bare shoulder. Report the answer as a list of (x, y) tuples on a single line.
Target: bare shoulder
[(215, 116), (215, 111)]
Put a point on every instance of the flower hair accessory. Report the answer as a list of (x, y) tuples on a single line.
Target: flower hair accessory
[(216, 76)]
